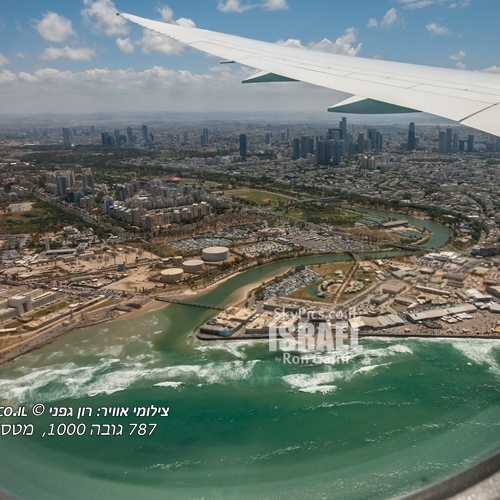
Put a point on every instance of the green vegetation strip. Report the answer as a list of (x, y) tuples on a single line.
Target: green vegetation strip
[(256, 196)]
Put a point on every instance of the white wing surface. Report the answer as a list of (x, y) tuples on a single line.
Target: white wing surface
[(468, 97)]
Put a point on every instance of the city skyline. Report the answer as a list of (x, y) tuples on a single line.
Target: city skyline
[(83, 58)]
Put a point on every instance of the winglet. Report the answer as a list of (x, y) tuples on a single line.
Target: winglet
[(361, 105), (266, 77)]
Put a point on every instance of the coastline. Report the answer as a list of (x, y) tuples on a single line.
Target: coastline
[(235, 299), (63, 326), (49, 334)]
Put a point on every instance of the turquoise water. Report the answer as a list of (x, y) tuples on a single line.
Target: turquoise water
[(242, 424)]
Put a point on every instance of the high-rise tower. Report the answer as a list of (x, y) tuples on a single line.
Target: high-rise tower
[(243, 146), (145, 135), (66, 133), (412, 142)]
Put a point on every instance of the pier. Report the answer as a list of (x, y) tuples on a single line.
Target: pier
[(170, 300)]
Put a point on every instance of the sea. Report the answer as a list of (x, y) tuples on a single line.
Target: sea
[(234, 421)]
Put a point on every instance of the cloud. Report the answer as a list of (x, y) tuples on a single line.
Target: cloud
[(436, 29), (167, 16), (417, 4), (75, 54), (342, 45), (275, 5), (459, 55), (4, 60), (7, 77), (492, 69), (125, 45), (421, 4), (155, 42), (154, 89), (233, 6), (237, 6), (460, 4), (458, 59), (54, 28), (390, 18), (22, 55), (101, 14)]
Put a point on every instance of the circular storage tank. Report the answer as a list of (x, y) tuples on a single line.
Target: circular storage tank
[(172, 275), (215, 254), (178, 260), (193, 266)]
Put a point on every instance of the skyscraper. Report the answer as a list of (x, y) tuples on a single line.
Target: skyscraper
[(105, 138), (324, 152), (470, 143), (343, 128), (447, 143), (449, 140), (376, 139), (243, 146), (66, 133), (62, 182), (412, 143), (361, 143), (204, 138), (306, 146), (442, 142), (144, 132), (88, 178), (130, 135)]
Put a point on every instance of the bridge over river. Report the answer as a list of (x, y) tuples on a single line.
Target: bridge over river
[(163, 298)]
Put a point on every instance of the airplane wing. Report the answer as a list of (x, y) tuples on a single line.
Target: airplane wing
[(471, 98)]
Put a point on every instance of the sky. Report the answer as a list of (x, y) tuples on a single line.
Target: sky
[(59, 56)]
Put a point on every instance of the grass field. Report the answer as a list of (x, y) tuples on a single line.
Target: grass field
[(256, 196), (41, 218), (323, 213)]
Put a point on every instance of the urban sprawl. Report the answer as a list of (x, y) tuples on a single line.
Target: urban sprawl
[(100, 219)]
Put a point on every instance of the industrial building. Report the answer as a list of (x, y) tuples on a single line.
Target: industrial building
[(433, 314), (172, 275), (215, 254), (377, 322), (17, 305), (193, 266)]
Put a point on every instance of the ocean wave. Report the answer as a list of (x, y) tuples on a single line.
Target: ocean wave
[(233, 347), (168, 384), (314, 382), (369, 368), (211, 373), (480, 352), (272, 454), (111, 375), (324, 389)]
